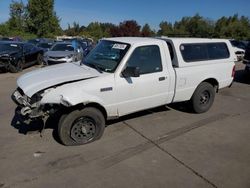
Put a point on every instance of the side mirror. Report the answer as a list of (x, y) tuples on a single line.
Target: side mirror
[(131, 72)]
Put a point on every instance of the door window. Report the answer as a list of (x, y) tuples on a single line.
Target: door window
[(147, 58)]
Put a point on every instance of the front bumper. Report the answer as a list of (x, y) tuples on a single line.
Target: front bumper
[(54, 61), (26, 109)]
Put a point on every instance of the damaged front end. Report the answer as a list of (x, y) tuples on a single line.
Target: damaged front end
[(31, 108), (5, 61)]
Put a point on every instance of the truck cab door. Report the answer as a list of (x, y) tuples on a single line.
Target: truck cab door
[(148, 89)]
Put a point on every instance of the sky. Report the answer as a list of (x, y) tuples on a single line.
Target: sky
[(143, 11)]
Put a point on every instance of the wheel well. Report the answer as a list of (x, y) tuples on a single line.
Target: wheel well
[(213, 82), (99, 107), (95, 105)]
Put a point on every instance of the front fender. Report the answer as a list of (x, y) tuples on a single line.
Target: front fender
[(70, 97)]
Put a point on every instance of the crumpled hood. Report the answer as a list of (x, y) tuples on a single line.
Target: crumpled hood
[(59, 53), (43, 78)]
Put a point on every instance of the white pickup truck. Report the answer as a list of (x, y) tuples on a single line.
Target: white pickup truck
[(125, 75)]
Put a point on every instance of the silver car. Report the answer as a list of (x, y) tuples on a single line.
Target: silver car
[(63, 52)]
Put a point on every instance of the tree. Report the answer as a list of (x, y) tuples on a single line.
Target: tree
[(233, 27), (106, 27), (42, 19), (126, 28), (94, 30), (180, 27), (4, 29), (199, 27), (74, 30), (195, 26), (146, 31), (17, 16), (165, 29)]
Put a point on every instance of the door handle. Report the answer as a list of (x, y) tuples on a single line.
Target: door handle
[(162, 78)]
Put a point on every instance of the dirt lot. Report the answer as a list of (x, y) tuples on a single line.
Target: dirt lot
[(162, 147)]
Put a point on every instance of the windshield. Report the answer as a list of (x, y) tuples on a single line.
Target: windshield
[(44, 45), (107, 55), (62, 47), (9, 47)]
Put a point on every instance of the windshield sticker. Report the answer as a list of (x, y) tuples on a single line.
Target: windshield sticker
[(13, 45), (119, 46), (182, 48)]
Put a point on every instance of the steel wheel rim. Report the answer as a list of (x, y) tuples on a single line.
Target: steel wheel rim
[(83, 129), (204, 97)]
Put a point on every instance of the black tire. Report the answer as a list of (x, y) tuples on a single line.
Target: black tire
[(247, 70), (203, 98), (81, 126), (39, 59), (17, 68)]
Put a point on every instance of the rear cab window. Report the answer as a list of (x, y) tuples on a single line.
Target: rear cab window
[(193, 52)]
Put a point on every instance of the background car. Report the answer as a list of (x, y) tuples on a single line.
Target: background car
[(36, 41), (86, 45), (45, 45), (63, 52), (14, 56), (239, 49), (246, 59)]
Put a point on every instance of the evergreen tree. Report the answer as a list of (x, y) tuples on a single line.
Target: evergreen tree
[(166, 29), (17, 16), (42, 19), (147, 31)]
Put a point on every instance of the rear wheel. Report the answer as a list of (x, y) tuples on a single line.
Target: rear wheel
[(39, 59), (16, 68), (203, 97), (81, 126), (247, 69)]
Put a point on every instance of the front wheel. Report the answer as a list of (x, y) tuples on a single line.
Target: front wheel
[(16, 68), (39, 59), (203, 97), (81, 126)]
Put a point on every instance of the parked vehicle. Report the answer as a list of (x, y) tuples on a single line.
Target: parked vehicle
[(45, 45), (14, 56), (37, 40), (63, 52), (87, 46), (246, 59), (239, 49), (125, 75)]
